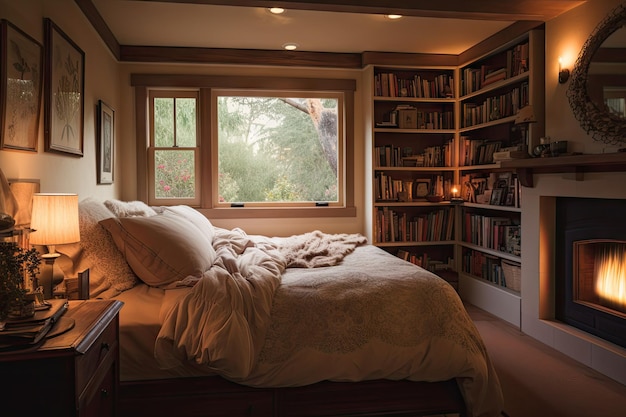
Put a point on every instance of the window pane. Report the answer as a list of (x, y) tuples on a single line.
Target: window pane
[(277, 149), (174, 174), (163, 122), (186, 122)]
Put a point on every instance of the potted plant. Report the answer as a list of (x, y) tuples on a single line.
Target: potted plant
[(16, 263)]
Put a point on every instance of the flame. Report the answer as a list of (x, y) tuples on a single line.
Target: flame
[(611, 275)]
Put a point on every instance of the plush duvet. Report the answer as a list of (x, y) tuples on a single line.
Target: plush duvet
[(253, 320)]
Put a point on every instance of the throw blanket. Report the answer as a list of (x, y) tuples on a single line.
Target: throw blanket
[(317, 249)]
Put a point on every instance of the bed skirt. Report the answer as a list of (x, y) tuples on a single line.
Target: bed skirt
[(215, 396)]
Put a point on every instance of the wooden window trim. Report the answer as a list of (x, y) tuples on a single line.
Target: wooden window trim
[(143, 82)]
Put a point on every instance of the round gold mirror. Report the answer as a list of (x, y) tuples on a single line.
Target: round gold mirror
[(597, 91)]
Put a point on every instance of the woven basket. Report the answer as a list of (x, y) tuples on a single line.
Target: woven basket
[(512, 275)]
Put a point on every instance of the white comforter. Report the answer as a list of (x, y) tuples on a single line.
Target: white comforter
[(256, 322)]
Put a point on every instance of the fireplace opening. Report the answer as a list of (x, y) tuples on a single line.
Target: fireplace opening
[(590, 266), (600, 275)]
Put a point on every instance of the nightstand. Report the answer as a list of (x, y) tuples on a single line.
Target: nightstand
[(75, 373)]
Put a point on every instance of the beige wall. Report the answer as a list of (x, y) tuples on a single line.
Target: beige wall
[(60, 173), (107, 80), (565, 36)]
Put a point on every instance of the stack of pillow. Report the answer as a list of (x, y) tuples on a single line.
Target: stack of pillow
[(123, 243)]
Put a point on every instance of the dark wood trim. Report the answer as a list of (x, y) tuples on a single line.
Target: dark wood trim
[(577, 164), (141, 141), (239, 56), (407, 59), (497, 40), (214, 396), (456, 9), (91, 12), (461, 9), (229, 81)]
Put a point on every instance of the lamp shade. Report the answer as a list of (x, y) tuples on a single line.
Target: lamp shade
[(54, 219), (525, 115)]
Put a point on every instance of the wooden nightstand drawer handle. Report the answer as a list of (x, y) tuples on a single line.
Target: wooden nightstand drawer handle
[(105, 346), (104, 393)]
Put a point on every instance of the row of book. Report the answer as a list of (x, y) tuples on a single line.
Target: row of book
[(498, 233), (399, 226), (498, 189), (426, 261), (387, 188), (473, 79), (484, 266), (477, 151), (431, 156), (495, 108), (390, 85)]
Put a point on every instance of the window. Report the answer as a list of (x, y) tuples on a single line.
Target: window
[(278, 149), (173, 151), (246, 147)]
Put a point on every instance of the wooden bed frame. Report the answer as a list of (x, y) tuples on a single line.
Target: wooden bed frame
[(215, 396)]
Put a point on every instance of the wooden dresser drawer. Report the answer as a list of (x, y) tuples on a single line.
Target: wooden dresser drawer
[(105, 346), (73, 374)]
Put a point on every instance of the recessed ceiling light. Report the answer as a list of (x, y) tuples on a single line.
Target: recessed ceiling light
[(276, 10), (290, 46), (393, 16)]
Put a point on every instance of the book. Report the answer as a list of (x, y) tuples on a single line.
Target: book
[(505, 155), (32, 330)]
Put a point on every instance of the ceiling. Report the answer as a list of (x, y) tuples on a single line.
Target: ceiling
[(349, 26)]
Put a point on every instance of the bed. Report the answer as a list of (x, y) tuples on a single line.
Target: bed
[(220, 323)]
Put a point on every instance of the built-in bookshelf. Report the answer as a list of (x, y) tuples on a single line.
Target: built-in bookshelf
[(440, 195), (414, 159)]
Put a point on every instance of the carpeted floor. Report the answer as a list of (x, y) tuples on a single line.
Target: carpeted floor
[(539, 381)]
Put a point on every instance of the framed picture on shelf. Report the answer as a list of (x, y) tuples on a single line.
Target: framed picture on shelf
[(422, 188), (106, 141), (22, 76), (496, 196), (65, 92)]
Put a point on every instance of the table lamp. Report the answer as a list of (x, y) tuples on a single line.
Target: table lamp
[(54, 221)]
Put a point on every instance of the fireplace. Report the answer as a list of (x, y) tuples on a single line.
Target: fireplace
[(590, 266)]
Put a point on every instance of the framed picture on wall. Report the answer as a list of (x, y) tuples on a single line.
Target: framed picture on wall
[(20, 92), (106, 140), (65, 92)]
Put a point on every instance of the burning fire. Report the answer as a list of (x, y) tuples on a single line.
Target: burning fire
[(610, 272)]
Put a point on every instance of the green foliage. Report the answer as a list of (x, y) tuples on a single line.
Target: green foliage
[(174, 174), (15, 264), (283, 191), (271, 150)]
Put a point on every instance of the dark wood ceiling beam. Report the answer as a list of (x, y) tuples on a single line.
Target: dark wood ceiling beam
[(131, 53), (459, 9), (95, 18)]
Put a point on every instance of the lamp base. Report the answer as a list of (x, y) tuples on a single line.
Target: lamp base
[(51, 274)]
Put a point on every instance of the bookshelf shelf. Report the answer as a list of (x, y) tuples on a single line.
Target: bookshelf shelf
[(492, 82), (578, 164)]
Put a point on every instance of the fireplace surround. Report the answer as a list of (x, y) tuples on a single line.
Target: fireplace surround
[(590, 252)]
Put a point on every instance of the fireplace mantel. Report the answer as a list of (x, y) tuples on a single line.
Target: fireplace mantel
[(578, 164)]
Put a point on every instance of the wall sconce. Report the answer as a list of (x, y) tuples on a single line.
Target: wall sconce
[(563, 72), (54, 222)]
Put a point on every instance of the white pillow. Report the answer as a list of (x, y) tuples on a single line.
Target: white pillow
[(129, 208), (109, 273), (161, 249), (195, 217)]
